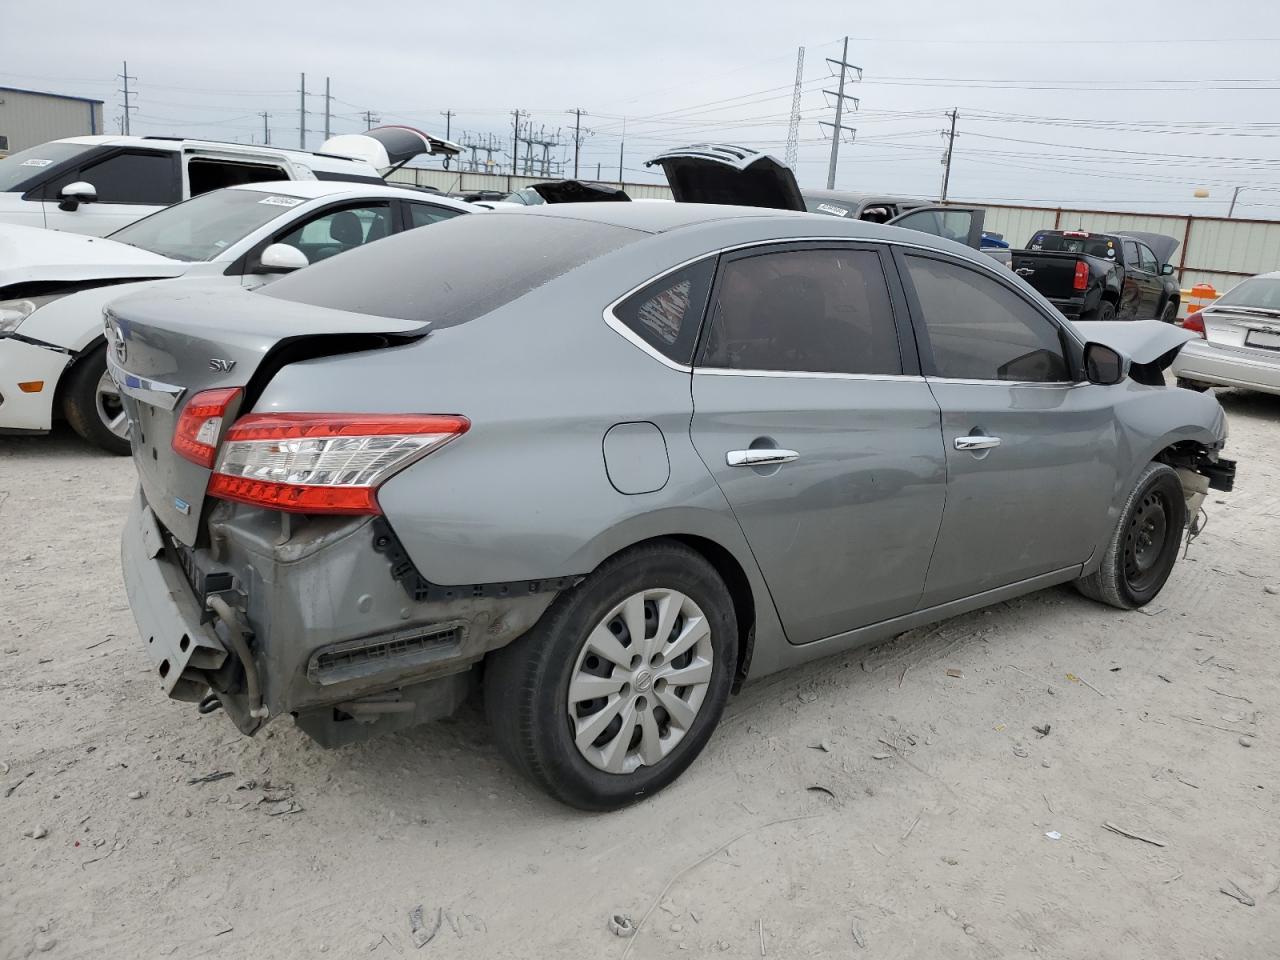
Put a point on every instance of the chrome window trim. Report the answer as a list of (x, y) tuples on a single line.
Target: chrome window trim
[(612, 320), (804, 374)]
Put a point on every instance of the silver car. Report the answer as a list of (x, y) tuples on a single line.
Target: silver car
[(608, 461), (1239, 339)]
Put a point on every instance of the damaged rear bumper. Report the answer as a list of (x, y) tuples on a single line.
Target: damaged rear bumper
[(305, 616)]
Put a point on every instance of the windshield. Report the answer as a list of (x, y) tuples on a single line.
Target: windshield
[(1261, 293), (204, 226), (1104, 247), (18, 168)]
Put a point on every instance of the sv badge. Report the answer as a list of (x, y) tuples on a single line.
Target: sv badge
[(221, 366)]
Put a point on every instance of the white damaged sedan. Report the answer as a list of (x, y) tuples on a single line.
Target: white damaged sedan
[(54, 285)]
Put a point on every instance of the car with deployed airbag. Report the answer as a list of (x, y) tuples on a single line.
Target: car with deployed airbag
[(607, 461)]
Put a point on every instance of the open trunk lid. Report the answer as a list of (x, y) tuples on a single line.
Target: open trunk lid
[(720, 173), (389, 147), (578, 191), (164, 347)]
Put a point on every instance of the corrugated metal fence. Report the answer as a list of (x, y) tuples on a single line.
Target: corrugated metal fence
[(1211, 250)]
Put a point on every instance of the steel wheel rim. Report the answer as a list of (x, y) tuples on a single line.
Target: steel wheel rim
[(106, 399), (1146, 541), (639, 681)]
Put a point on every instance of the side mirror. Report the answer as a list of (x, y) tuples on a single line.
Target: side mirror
[(1103, 365), (74, 194), (1166, 270), (281, 258)]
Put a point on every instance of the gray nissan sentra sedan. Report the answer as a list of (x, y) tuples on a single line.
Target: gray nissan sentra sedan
[(610, 460)]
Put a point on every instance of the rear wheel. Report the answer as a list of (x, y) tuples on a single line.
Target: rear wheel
[(1106, 311), (621, 683), (1144, 545), (91, 403), (1195, 385)]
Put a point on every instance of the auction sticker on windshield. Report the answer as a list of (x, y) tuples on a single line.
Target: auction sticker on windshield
[(281, 201)]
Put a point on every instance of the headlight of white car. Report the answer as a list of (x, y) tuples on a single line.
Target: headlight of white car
[(13, 312)]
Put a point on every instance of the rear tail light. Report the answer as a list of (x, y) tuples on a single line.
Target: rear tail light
[(1075, 233), (323, 462), (1195, 323), (1081, 279), (195, 438)]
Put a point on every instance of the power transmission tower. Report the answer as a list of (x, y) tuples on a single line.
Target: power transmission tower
[(577, 137), (127, 93), (793, 132), (946, 156), (838, 128), (448, 135), (370, 118), (327, 100), (266, 130), (302, 113)]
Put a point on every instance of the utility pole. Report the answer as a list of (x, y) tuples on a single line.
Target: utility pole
[(302, 114), (266, 130), (577, 137), (946, 157), (126, 91), (622, 145), (515, 140), (326, 108), (370, 118), (793, 132), (1232, 209), (837, 128), (448, 131)]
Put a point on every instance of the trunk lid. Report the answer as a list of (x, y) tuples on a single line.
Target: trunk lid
[(578, 191), (1053, 274), (163, 347), (385, 148), (719, 173), (1253, 331)]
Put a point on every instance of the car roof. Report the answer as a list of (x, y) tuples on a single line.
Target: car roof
[(328, 161), (314, 189), (645, 217), (849, 196)]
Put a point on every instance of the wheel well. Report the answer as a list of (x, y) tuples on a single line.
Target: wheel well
[(59, 391), (735, 578), (1111, 296), (1184, 453)]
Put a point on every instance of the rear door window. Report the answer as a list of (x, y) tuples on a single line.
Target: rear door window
[(1131, 257), (804, 311), (132, 176), (207, 173), (1148, 259), (421, 214), (979, 329)]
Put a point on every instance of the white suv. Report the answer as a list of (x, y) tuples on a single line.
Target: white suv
[(96, 185)]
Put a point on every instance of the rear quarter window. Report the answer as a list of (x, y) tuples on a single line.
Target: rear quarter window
[(667, 313), (457, 271)]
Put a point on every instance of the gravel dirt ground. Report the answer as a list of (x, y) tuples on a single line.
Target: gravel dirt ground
[(893, 802)]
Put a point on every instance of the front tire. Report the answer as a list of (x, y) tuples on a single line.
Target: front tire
[(1144, 545), (619, 686), (91, 403)]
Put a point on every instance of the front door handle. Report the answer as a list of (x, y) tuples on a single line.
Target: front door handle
[(977, 442), (759, 458)]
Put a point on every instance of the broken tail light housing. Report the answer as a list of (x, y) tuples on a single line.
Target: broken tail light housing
[(1195, 323), (195, 438), (1081, 279), (324, 462)]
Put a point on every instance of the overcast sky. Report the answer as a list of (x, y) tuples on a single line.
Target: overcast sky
[(1101, 120)]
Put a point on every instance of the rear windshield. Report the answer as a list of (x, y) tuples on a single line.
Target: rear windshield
[(1262, 293), (1104, 247), (456, 271), (18, 169)]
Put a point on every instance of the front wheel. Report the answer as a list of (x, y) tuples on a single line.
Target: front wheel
[(619, 686), (1144, 545), (92, 405)]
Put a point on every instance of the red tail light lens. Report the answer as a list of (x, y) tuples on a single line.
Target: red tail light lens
[(195, 438), (324, 462), (1195, 323), (1081, 279)]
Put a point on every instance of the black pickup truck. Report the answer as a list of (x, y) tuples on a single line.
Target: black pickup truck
[(1102, 276)]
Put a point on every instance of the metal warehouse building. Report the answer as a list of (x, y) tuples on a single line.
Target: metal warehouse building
[(29, 117)]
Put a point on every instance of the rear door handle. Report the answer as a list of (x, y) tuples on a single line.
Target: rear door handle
[(759, 458), (977, 443)]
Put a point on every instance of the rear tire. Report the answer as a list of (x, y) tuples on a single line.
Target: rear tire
[(1106, 311), (1144, 545), (91, 403), (1195, 385), (584, 644)]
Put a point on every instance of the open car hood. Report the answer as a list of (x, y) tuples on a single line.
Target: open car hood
[(1142, 341), (1160, 245), (719, 173), (577, 191), (389, 146)]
